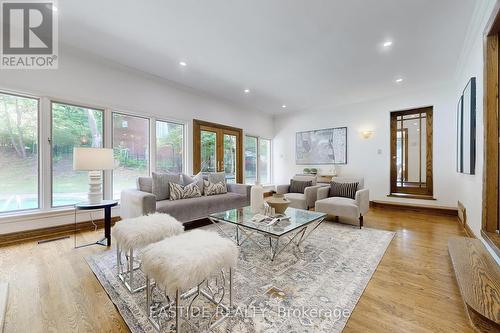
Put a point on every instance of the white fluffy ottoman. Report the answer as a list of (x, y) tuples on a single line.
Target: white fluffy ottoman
[(133, 235), (193, 263)]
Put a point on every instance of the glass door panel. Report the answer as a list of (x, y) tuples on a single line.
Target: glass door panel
[(218, 148), (230, 157), (208, 151)]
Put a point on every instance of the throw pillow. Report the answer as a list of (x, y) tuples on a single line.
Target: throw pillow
[(177, 191), (344, 190), (161, 183), (217, 177), (299, 186), (186, 180), (215, 188)]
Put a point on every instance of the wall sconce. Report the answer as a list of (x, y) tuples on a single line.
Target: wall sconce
[(366, 134)]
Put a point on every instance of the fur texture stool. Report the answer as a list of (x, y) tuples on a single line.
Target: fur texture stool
[(184, 267), (132, 235)]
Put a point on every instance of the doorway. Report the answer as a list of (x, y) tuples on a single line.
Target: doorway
[(411, 153), (218, 148)]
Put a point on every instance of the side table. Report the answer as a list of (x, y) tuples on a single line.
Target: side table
[(106, 205)]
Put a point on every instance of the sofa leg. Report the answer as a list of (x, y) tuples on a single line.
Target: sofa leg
[(360, 221), (336, 218)]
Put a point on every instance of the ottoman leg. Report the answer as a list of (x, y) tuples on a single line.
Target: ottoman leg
[(131, 269), (230, 289), (177, 319), (118, 260)]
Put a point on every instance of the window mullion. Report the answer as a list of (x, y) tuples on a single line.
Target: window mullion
[(152, 145), (107, 143), (45, 156)]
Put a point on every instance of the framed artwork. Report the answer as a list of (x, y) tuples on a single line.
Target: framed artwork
[(323, 146), (466, 129)]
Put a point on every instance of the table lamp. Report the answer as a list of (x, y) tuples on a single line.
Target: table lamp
[(93, 160)]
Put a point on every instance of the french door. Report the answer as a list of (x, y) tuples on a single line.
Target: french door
[(218, 148)]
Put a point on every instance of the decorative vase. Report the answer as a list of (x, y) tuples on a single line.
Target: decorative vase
[(257, 198), (279, 203)]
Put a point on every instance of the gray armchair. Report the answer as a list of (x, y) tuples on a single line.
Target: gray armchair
[(344, 207), (304, 200)]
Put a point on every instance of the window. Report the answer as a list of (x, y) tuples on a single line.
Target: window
[(250, 160), (131, 150), (169, 147), (264, 161), (411, 153), (18, 153), (257, 160), (72, 126)]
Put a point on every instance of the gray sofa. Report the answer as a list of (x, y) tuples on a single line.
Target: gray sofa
[(141, 201)]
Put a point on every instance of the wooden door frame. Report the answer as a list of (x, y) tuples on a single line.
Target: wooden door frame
[(429, 160), (491, 181), (197, 127)]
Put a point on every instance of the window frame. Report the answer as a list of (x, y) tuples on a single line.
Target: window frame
[(257, 173), (51, 139), (39, 150)]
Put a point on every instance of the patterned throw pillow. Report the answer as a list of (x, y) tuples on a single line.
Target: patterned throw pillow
[(177, 191), (214, 188), (344, 190), (299, 186), (186, 180), (161, 183)]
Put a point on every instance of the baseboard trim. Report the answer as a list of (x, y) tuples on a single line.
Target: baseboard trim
[(449, 211), (50, 232)]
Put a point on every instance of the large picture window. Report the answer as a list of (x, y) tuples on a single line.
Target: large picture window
[(131, 150), (18, 153), (72, 126), (257, 160), (169, 147)]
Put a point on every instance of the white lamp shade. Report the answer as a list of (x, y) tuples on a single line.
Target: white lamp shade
[(91, 159)]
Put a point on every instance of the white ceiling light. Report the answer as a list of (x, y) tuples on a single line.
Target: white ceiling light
[(183, 63), (399, 80), (387, 43), (246, 91), (283, 106)]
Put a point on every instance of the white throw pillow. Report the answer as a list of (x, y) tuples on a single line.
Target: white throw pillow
[(214, 188)]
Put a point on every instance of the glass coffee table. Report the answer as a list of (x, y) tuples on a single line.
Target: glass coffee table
[(296, 229)]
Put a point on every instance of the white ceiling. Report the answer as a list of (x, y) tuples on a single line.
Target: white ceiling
[(302, 53)]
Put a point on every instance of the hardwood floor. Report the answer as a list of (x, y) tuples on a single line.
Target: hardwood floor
[(52, 289)]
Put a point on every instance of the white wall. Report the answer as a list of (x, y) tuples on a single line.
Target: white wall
[(370, 157), (469, 187), (100, 83)]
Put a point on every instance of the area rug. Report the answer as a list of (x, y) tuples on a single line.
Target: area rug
[(311, 289)]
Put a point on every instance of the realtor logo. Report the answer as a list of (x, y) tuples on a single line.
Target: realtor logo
[(29, 35)]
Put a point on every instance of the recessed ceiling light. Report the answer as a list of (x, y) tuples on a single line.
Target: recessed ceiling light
[(387, 43), (183, 63), (399, 80), (246, 91), (283, 106)]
